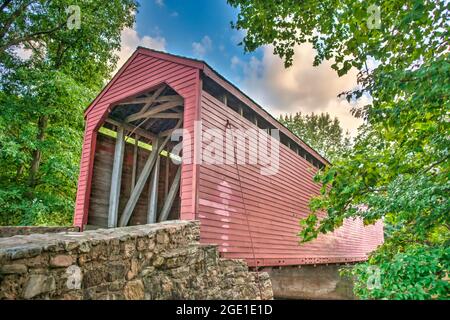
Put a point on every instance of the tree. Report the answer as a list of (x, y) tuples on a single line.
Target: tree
[(399, 166), (321, 132), (43, 98)]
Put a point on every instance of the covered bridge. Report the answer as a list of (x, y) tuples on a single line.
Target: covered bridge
[(245, 176)]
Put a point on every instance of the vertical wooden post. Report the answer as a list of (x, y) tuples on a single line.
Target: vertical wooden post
[(165, 211), (153, 193), (166, 178), (116, 179), (135, 161)]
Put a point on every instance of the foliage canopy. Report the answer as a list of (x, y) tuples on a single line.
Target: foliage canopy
[(43, 96), (321, 132), (398, 169)]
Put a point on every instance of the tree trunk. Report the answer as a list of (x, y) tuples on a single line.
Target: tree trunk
[(36, 161)]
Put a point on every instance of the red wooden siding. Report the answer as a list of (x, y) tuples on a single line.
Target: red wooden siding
[(256, 108), (144, 70), (273, 206)]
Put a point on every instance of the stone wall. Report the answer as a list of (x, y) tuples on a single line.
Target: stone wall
[(158, 261), (310, 282), (26, 230)]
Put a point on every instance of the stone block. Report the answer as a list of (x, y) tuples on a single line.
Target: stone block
[(13, 268), (93, 278), (162, 238), (134, 290), (38, 284), (129, 249), (61, 261)]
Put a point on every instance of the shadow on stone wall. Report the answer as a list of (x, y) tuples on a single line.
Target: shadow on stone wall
[(311, 282)]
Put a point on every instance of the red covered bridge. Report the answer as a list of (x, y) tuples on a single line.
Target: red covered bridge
[(245, 176)]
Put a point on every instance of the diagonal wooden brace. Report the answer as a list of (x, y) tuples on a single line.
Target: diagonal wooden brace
[(165, 211), (158, 146)]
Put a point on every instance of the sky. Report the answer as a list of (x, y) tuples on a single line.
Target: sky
[(201, 29)]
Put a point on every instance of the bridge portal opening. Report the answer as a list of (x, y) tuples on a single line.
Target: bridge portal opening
[(136, 178)]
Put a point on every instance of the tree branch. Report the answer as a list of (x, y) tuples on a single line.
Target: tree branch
[(30, 37), (434, 164)]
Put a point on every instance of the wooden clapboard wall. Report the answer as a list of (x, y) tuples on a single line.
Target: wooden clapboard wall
[(259, 223), (101, 183)]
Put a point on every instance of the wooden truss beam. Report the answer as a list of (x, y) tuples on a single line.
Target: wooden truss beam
[(170, 98), (146, 100), (160, 108), (150, 100), (131, 128), (155, 95), (167, 115)]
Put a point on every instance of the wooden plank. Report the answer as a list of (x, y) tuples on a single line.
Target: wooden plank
[(165, 211), (114, 194), (162, 107), (153, 193), (134, 197)]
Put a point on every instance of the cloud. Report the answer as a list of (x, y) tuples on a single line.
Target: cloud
[(131, 40), (202, 47), (174, 14), (301, 87), (237, 36), (23, 53), (160, 2)]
